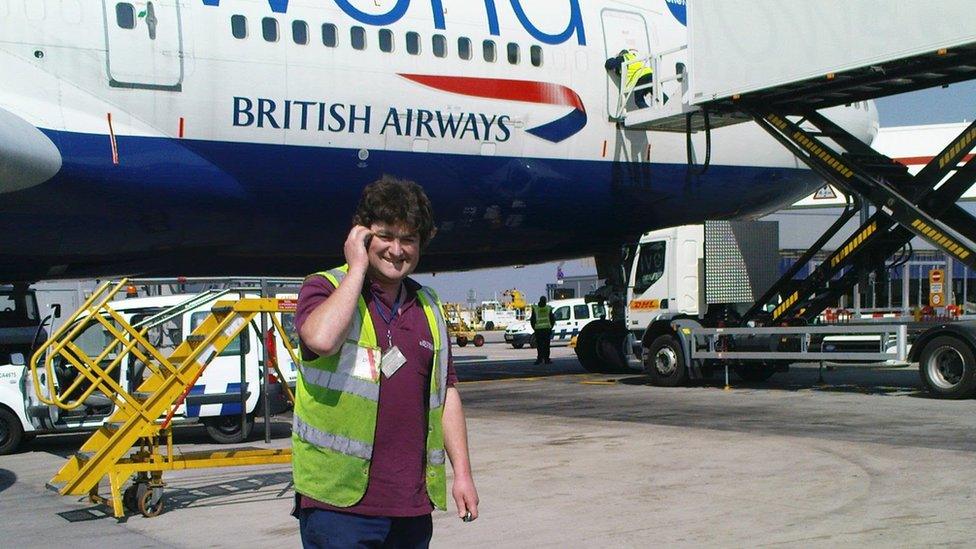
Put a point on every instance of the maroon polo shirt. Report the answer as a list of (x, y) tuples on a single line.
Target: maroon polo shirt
[(397, 484)]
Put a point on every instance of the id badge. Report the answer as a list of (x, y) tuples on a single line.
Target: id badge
[(367, 366), (392, 360)]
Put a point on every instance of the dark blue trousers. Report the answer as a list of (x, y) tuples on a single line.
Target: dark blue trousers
[(330, 530)]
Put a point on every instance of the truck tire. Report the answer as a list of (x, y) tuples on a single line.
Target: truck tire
[(664, 362), (947, 367), (227, 429), (600, 347), (11, 432)]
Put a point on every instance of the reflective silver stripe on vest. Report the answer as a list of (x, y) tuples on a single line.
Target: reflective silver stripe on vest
[(435, 457), (338, 381), (338, 443), (356, 326), (437, 399)]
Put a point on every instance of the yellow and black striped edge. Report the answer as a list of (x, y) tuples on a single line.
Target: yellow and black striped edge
[(785, 305), (951, 156), (853, 243), (812, 147), (941, 240)]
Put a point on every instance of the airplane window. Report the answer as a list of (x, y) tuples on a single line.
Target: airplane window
[(125, 14), (513, 53), (358, 36), (299, 32), (440, 45), (238, 26), (386, 40), (464, 48), (413, 43), (269, 28), (535, 52), (329, 35), (490, 52)]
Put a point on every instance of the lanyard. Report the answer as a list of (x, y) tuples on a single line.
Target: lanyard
[(394, 311)]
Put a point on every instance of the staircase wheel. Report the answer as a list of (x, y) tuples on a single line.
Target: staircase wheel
[(151, 502)]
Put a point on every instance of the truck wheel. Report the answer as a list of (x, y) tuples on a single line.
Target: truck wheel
[(227, 429), (948, 368), (754, 371), (479, 340), (599, 347), (11, 432), (664, 362), (462, 341), (489, 325)]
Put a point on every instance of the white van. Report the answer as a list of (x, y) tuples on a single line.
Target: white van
[(570, 314), (215, 400)]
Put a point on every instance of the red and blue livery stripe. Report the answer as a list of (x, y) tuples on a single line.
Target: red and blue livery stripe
[(539, 93)]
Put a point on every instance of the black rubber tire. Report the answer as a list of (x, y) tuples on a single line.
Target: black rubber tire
[(146, 507), (462, 341), (227, 429), (532, 342), (754, 372), (130, 499), (479, 340), (11, 432), (947, 367), (518, 345), (599, 347), (664, 362), (489, 325)]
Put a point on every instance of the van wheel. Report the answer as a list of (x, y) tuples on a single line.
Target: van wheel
[(948, 368), (11, 432), (664, 362), (227, 429)]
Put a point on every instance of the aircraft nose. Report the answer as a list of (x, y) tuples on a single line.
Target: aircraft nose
[(860, 119), (27, 157)]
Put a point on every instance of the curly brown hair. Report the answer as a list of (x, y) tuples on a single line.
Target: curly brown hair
[(396, 201)]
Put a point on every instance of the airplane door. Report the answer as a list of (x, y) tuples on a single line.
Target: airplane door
[(622, 30), (144, 43)]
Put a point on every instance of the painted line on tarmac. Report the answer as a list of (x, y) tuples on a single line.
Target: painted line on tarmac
[(511, 379)]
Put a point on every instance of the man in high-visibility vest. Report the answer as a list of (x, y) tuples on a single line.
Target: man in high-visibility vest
[(633, 72), (376, 407), (542, 321)]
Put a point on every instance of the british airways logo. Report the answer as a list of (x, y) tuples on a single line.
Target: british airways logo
[(291, 114), (540, 93), (573, 29)]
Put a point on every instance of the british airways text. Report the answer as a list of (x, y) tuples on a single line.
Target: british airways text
[(341, 117), (574, 28)]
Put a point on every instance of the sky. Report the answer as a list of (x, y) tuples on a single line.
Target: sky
[(956, 103)]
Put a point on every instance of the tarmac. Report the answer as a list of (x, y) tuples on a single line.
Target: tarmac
[(563, 458)]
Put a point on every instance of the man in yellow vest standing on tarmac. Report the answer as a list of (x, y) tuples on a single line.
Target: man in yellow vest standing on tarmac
[(542, 321), (376, 405), (633, 72)]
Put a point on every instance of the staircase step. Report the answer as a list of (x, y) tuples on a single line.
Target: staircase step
[(222, 310), (195, 339)]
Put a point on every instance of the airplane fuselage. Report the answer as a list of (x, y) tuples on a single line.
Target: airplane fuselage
[(199, 137)]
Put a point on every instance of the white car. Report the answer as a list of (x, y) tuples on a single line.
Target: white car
[(570, 314)]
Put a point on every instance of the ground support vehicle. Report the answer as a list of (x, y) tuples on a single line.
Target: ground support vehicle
[(136, 440), (787, 99), (571, 316), (232, 388), (458, 328)]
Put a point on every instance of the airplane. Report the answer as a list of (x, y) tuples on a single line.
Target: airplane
[(223, 137)]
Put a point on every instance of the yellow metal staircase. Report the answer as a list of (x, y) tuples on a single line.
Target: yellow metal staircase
[(130, 440)]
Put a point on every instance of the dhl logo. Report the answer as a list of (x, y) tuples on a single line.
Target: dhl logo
[(645, 304)]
